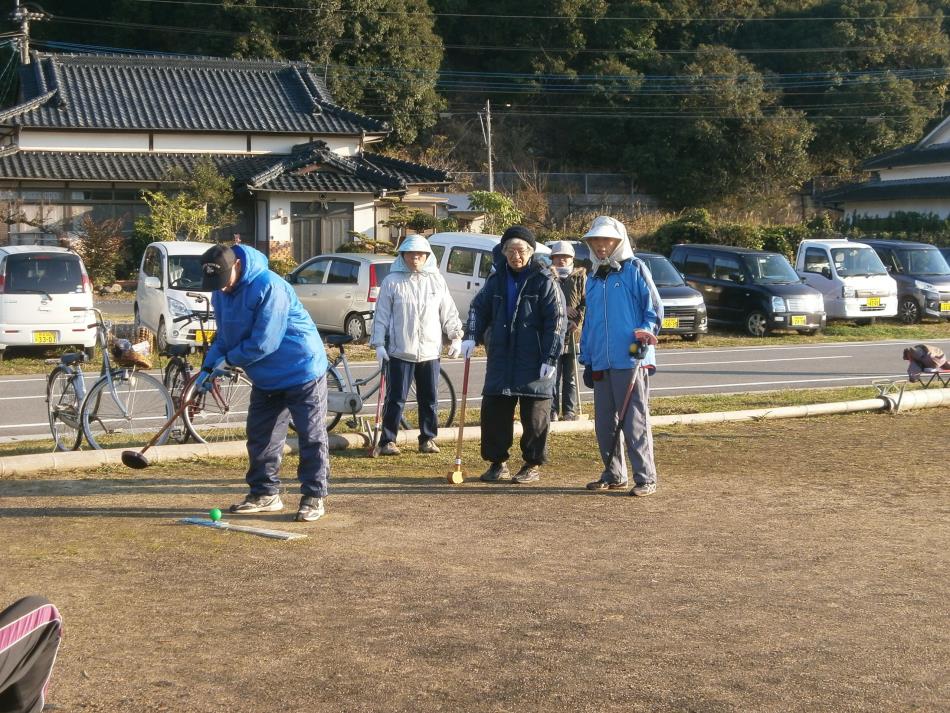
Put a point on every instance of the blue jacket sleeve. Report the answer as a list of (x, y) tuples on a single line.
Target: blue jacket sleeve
[(479, 312), (267, 330), (649, 298), (554, 323)]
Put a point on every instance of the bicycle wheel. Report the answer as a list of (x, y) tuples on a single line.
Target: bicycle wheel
[(446, 403), (62, 403), (221, 413), (177, 374), (145, 408), (333, 384)]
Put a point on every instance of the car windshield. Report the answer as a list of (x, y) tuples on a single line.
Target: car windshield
[(664, 274), (857, 261), (42, 273), (184, 272), (770, 269), (922, 261)]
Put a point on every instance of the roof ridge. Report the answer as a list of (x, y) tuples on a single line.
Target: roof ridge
[(402, 163), (164, 59)]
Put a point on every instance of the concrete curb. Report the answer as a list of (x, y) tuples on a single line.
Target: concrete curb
[(77, 460)]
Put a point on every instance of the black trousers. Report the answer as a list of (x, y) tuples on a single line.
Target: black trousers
[(497, 422), (30, 630)]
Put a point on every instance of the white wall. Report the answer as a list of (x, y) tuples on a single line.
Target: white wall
[(934, 170), (882, 209), (83, 141), (201, 143)]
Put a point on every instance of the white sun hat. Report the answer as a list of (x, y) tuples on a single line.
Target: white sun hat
[(606, 227)]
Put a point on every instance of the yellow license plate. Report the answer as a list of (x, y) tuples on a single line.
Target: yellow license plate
[(671, 322), (873, 302), (45, 337), (205, 337), (945, 306), (798, 320)]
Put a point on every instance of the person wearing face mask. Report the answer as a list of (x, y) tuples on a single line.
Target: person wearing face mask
[(623, 311), (519, 316), (413, 311), (572, 281)]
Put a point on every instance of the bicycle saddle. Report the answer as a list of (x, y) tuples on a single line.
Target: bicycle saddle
[(181, 350), (338, 339)]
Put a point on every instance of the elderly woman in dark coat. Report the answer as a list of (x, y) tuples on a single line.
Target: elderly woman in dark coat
[(519, 315)]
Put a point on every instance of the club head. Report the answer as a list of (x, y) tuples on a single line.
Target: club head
[(456, 477), (134, 459)]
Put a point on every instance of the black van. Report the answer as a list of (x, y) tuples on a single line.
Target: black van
[(757, 290)]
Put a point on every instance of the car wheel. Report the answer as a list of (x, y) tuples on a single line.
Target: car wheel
[(355, 327), (909, 311), (691, 337), (161, 336), (757, 324)]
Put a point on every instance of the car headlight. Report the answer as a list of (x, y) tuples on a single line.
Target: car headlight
[(177, 307), (778, 304), (848, 292)]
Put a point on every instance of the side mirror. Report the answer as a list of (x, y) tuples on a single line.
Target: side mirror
[(826, 272), (153, 282), (291, 278)]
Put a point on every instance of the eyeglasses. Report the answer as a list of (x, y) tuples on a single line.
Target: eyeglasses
[(518, 251)]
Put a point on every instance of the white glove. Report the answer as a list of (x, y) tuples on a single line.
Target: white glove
[(455, 349), (548, 371), (467, 347), (382, 355)]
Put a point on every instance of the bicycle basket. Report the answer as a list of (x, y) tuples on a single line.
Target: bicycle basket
[(132, 355)]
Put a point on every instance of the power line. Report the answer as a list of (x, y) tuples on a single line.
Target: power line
[(614, 18), (502, 48)]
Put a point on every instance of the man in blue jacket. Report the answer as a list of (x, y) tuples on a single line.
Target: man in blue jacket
[(623, 308), (519, 314), (263, 329)]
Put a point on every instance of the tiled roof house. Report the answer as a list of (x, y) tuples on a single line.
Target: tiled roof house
[(90, 131), (914, 179)]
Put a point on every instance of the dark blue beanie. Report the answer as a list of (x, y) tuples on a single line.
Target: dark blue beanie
[(519, 232)]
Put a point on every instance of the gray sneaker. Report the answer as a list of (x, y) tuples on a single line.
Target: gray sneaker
[(428, 446), (311, 508), (527, 474), (390, 449), (258, 503), (643, 489)]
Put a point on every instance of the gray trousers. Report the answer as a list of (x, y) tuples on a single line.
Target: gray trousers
[(609, 393)]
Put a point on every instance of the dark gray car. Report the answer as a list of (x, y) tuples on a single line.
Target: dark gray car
[(922, 275)]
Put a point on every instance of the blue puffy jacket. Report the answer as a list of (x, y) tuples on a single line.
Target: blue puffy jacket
[(263, 328), (534, 337), (618, 305)]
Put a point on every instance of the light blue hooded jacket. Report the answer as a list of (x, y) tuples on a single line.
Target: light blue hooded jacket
[(264, 330), (617, 305)]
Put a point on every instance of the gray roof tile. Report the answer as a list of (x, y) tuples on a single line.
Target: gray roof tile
[(180, 94)]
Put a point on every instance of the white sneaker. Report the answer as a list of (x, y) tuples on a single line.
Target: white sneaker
[(644, 489), (258, 503), (311, 508)]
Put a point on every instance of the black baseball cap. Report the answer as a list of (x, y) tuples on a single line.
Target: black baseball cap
[(216, 264)]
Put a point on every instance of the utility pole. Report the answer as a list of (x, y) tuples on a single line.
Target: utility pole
[(486, 134), (23, 15)]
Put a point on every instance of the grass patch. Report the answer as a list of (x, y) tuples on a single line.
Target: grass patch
[(659, 406)]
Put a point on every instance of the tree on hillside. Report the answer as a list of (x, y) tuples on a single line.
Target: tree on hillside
[(725, 137)]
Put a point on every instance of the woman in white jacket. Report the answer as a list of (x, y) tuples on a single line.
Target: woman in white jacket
[(414, 309)]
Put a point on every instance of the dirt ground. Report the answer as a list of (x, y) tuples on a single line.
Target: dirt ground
[(782, 566)]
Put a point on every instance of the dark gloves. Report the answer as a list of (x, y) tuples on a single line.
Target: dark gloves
[(588, 376)]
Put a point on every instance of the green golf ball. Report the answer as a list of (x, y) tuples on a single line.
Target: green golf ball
[(215, 514)]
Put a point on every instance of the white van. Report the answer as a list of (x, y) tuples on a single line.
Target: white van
[(465, 260), (851, 278), (168, 273), (38, 286)]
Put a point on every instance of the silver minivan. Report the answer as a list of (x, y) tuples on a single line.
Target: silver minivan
[(39, 284), (339, 290)]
